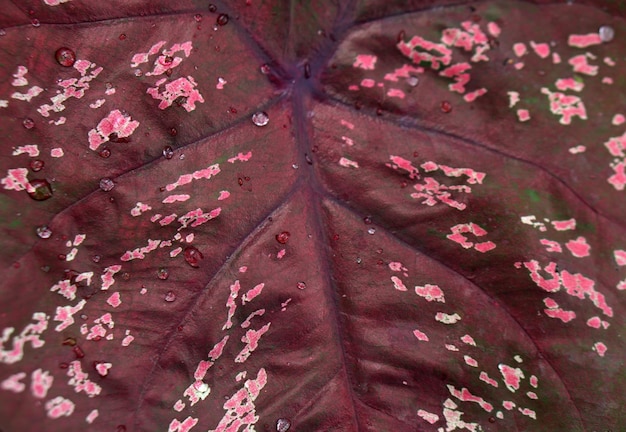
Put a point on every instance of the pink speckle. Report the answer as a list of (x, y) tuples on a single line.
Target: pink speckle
[(80, 380), (12, 383), (458, 236), (398, 284), (281, 253), (65, 315), (493, 29), (103, 368), (583, 41), (556, 58), (184, 426), (564, 225), (353, 87), (56, 152), (59, 407), (566, 106), (127, 340), (220, 83), (184, 88), (430, 293), (347, 124), (397, 93), (485, 378), (512, 376), (367, 62), (580, 65), (534, 382), (17, 179), (594, 322), (569, 84), (451, 347), (447, 318), (519, 49), (468, 340), (465, 396), (523, 115), (579, 247), (600, 348), (241, 157), (252, 294), (513, 98), (609, 61), (114, 123), (175, 198), (563, 315), (618, 180), (243, 269), (427, 416), (420, 335), (114, 300), (541, 49), (578, 149), (31, 149), (472, 96), (528, 412), (396, 266), (223, 195), (92, 416), (470, 361), (368, 83), (251, 339), (179, 405), (620, 257), (618, 119), (551, 246), (508, 405), (519, 65), (607, 80), (139, 209), (206, 173), (345, 162), (403, 164)]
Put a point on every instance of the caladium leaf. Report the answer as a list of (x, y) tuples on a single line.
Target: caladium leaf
[(310, 216)]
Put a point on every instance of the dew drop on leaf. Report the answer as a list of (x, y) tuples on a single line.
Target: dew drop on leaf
[(170, 296), (36, 165), (283, 237), (106, 184), (28, 123), (41, 190), (138, 73), (96, 258), (3, 32), (212, 8), (412, 81), (265, 69), (606, 33), (78, 352), (173, 132), (168, 152), (260, 118), (301, 285), (198, 17), (105, 153), (193, 256), (65, 57), (282, 425), (222, 19), (35, 22), (367, 220), (371, 231), (44, 232), (122, 37), (162, 273), (446, 107)]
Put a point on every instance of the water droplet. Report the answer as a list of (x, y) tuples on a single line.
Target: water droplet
[(193, 256), (65, 57), (106, 184), (412, 81), (295, 166), (198, 17), (265, 69), (69, 341), (606, 33), (173, 132), (446, 107), (367, 220), (122, 37), (35, 22), (301, 285), (36, 165), (96, 258), (3, 32), (170, 296), (126, 276), (168, 152), (400, 36), (28, 123), (371, 231), (282, 425), (283, 237), (260, 118), (162, 273), (307, 70), (138, 73), (359, 260), (41, 190), (78, 352), (44, 232), (105, 152), (222, 19), (212, 8), (61, 257)]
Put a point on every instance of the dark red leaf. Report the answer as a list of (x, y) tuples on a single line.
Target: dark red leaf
[(316, 216)]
